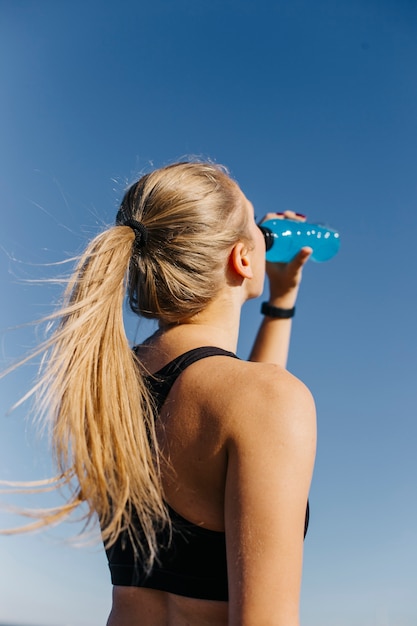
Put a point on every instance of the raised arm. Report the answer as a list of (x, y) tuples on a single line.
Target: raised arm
[(271, 456), (273, 339)]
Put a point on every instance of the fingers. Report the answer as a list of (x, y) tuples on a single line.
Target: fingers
[(301, 258), (289, 215), (272, 216), (297, 217)]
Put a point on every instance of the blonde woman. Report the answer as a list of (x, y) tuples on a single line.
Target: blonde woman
[(197, 463)]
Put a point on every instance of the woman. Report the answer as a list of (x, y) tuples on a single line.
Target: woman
[(198, 464)]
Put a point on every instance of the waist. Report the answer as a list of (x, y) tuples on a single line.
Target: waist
[(143, 607)]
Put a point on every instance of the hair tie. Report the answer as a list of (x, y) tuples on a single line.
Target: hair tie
[(140, 230)]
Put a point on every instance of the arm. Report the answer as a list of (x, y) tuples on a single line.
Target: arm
[(273, 339), (271, 455)]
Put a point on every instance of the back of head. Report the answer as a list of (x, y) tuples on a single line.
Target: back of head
[(193, 215), (91, 391)]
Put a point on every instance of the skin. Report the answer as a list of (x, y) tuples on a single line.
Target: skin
[(242, 453)]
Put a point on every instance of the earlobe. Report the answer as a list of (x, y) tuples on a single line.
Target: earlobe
[(240, 261)]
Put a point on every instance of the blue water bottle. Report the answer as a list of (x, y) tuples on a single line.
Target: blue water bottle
[(284, 238)]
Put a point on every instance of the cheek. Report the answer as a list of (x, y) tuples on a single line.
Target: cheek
[(261, 245), (260, 257)]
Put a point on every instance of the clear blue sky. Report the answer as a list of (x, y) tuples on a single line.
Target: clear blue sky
[(312, 106)]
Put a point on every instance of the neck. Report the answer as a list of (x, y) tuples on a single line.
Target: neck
[(217, 325)]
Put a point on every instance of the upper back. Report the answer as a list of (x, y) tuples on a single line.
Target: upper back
[(190, 432), (212, 402)]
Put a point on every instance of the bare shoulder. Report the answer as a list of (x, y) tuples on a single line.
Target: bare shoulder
[(251, 394), (272, 417), (252, 403)]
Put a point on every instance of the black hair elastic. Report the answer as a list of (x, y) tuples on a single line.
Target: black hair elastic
[(140, 230)]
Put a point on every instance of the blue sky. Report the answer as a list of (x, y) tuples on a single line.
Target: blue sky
[(312, 106)]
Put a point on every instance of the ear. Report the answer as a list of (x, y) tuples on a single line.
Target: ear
[(240, 261)]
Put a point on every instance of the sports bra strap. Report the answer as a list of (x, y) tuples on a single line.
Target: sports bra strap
[(161, 382)]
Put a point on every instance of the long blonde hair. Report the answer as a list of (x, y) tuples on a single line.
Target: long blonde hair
[(91, 390)]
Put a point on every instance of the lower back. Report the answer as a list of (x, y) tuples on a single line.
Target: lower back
[(133, 606)]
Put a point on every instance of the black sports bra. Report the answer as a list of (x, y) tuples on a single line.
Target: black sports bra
[(192, 562)]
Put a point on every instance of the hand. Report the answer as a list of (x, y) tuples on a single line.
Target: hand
[(285, 278)]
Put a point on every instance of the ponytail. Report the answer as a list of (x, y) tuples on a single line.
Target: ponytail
[(93, 398)]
